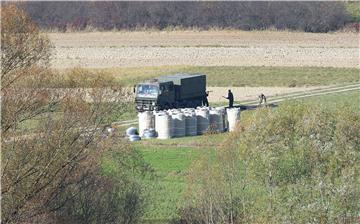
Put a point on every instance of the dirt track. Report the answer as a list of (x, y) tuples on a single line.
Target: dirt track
[(251, 93), (209, 48)]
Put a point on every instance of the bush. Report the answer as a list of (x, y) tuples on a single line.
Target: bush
[(298, 163), (111, 192), (53, 174)]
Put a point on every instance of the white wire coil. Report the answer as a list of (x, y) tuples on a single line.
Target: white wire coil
[(163, 125), (202, 117), (233, 116), (146, 121), (179, 124), (190, 124)]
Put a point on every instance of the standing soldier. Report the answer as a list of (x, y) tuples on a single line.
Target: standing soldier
[(230, 97), (205, 99), (262, 98)]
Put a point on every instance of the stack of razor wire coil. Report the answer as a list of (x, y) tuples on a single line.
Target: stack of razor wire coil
[(216, 122), (186, 122), (202, 117), (163, 125), (146, 121), (190, 123)]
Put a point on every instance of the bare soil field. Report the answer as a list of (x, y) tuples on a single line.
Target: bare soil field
[(205, 48), (205, 38)]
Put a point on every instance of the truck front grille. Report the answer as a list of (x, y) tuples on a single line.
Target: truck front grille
[(144, 104)]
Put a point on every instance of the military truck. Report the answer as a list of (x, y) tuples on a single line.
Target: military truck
[(171, 91)]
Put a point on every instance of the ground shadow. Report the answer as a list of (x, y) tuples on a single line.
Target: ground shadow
[(253, 107)]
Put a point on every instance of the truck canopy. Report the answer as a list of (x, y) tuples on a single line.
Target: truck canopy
[(188, 85)]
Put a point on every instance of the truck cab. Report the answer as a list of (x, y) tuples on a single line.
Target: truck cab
[(154, 95)]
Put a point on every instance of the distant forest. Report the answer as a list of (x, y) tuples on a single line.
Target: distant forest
[(303, 16)]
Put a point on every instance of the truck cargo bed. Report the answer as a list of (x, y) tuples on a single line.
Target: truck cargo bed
[(188, 85)]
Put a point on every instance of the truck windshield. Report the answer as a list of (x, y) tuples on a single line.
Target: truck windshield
[(147, 90)]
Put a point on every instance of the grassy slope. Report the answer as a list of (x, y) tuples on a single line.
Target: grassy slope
[(170, 165), (172, 158), (345, 99), (244, 76)]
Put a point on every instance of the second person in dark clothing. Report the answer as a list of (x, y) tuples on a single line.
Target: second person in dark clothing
[(205, 99), (230, 97)]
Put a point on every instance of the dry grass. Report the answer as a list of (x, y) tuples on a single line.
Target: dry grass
[(217, 76), (240, 76)]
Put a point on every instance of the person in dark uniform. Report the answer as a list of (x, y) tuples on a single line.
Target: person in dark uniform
[(230, 97), (205, 99), (262, 98)]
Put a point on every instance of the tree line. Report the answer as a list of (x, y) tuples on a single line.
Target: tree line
[(302, 16)]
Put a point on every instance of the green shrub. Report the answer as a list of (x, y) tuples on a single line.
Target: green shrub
[(298, 163)]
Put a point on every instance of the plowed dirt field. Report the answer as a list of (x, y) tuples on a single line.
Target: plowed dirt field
[(205, 48)]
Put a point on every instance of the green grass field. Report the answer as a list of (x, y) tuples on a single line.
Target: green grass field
[(345, 99), (171, 159), (353, 8), (170, 165), (241, 75)]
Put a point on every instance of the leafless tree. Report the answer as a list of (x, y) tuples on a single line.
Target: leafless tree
[(51, 140)]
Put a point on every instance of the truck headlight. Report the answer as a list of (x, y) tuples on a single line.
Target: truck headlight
[(153, 103)]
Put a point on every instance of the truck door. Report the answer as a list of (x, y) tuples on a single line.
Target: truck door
[(171, 92), (167, 93)]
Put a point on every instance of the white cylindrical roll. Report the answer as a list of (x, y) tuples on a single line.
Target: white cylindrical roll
[(179, 124), (159, 112), (163, 125), (216, 123), (146, 121), (222, 112), (175, 111), (172, 123), (233, 116), (190, 124), (202, 117)]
